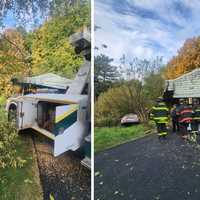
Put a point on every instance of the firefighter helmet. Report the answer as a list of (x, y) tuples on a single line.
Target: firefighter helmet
[(159, 99)]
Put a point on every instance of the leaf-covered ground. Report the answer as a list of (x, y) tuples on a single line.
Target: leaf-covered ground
[(62, 177), (149, 169)]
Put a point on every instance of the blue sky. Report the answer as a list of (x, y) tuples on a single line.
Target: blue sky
[(10, 21), (145, 28)]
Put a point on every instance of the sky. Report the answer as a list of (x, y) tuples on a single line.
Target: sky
[(10, 21), (144, 28)]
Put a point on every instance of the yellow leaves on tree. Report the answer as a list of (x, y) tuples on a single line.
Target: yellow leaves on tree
[(52, 51), (12, 59), (188, 58)]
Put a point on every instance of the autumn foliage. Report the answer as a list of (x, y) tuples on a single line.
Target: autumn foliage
[(188, 58), (13, 57), (42, 50), (130, 97)]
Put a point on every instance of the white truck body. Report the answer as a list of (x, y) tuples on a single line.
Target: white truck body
[(67, 133), (64, 118)]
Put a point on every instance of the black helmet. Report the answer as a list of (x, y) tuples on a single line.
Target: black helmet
[(159, 99), (182, 101)]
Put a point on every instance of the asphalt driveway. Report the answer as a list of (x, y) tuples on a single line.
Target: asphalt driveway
[(149, 169)]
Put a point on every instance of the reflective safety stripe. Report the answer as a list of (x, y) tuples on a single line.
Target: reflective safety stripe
[(196, 118), (194, 131), (161, 104), (186, 119), (161, 119), (163, 133), (160, 108), (185, 111)]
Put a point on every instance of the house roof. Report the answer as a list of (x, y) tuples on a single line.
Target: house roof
[(48, 80), (187, 85)]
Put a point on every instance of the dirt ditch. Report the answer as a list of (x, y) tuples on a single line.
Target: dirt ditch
[(62, 177)]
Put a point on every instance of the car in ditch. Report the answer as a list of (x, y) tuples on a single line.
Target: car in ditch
[(130, 119)]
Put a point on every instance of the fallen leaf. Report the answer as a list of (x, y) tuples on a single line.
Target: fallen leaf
[(116, 192), (97, 173)]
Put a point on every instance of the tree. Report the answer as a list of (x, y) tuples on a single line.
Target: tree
[(118, 101), (138, 68), (153, 87), (13, 59), (51, 48), (35, 10), (188, 58), (105, 74), (134, 96)]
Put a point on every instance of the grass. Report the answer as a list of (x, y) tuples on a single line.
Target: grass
[(21, 183), (2, 100), (107, 137)]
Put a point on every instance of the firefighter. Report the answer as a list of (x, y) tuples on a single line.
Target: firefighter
[(196, 116), (185, 113), (159, 114), (174, 116)]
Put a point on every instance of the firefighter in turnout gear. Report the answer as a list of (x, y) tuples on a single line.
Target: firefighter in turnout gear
[(196, 116), (159, 114), (185, 117)]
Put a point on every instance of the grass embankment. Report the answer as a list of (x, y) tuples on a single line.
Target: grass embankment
[(21, 183), (107, 137)]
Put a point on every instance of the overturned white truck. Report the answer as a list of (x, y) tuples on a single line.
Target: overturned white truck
[(62, 113)]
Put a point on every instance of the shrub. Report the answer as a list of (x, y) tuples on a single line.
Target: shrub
[(8, 142), (118, 101)]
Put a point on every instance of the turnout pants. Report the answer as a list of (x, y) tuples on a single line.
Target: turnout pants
[(161, 129), (175, 125), (195, 126), (183, 128)]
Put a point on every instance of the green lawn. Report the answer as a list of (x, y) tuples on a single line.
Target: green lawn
[(107, 137), (2, 100), (21, 183)]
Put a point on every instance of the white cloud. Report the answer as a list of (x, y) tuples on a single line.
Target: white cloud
[(146, 37)]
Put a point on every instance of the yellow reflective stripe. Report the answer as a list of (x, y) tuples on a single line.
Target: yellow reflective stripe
[(196, 118), (160, 118), (163, 133), (71, 110), (161, 108)]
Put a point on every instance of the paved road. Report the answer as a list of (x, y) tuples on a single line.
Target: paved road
[(149, 169)]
